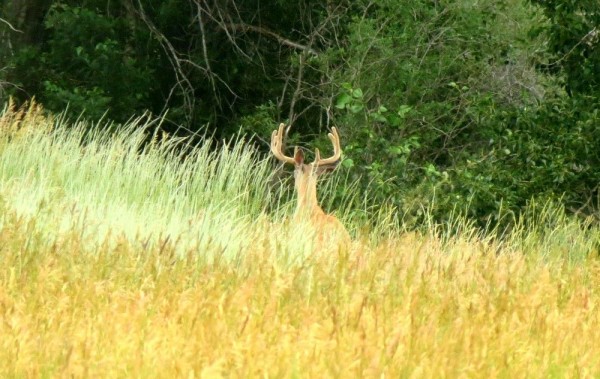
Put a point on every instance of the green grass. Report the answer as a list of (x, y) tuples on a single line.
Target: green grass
[(125, 259), (101, 183)]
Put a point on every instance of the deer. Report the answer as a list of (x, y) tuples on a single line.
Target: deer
[(326, 226)]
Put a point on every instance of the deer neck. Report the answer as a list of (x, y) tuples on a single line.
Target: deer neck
[(306, 188)]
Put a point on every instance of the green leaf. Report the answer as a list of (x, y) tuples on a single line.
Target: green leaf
[(396, 150), (355, 108), (404, 109), (348, 163), (357, 93), (342, 101), (378, 117)]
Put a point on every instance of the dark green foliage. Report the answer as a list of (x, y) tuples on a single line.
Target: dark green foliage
[(573, 36), (425, 103), (449, 106), (86, 63)]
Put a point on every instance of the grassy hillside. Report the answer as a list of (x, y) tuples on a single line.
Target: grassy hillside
[(124, 259)]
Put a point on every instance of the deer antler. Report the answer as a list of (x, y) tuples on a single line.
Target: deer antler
[(277, 149), (277, 145), (337, 151)]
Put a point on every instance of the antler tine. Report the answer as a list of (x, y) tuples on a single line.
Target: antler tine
[(337, 151), (277, 145)]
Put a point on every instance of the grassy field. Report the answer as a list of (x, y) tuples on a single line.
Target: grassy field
[(120, 261)]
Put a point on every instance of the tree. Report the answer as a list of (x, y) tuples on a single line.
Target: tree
[(573, 31)]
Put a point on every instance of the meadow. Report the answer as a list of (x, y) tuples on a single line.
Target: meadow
[(123, 254)]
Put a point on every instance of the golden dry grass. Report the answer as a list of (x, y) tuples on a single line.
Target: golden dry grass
[(128, 274), (407, 308)]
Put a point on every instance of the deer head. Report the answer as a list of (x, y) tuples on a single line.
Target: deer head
[(306, 174)]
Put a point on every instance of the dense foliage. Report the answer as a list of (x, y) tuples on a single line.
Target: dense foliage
[(452, 106)]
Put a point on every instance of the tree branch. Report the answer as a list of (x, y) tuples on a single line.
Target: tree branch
[(10, 26), (267, 32)]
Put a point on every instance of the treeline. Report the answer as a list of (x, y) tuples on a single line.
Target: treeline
[(450, 106)]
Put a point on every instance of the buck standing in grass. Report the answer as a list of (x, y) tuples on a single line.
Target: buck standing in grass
[(327, 227)]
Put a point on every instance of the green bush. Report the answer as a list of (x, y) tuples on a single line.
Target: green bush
[(85, 65), (430, 89), (443, 107)]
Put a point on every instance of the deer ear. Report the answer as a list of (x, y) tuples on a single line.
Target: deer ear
[(298, 156)]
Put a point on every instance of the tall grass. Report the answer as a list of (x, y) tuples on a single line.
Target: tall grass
[(116, 182), (122, 257)]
